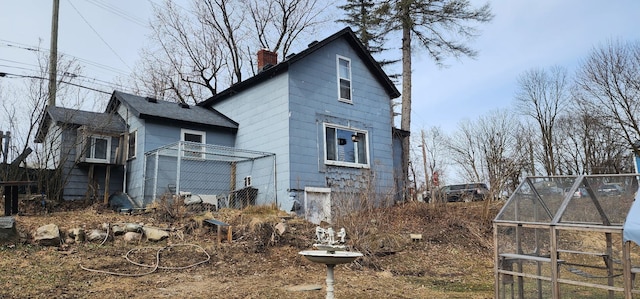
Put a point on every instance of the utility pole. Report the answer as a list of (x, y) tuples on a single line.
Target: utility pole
[(53, 53)]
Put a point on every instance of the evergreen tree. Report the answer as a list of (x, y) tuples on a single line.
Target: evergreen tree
[(442, 27), (365, 19)]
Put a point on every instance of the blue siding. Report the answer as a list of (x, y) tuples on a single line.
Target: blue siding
[(285, 115), (153, 135), (135, 166), (76, 177), (314, 100), (263, 116)]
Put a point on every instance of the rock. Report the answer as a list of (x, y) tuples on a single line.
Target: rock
[(131, 237), (77, 234), (304, 287), (8, 230), (117, 230), (154, 234), (121, 202), (47, 235), (281, 227), (96, 235), (69, 240), (132, 227)]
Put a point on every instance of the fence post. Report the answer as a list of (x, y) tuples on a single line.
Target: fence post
[(180, 145), (155, 177)]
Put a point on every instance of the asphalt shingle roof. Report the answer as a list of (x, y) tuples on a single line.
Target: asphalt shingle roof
[(149, 108), (95, 121)]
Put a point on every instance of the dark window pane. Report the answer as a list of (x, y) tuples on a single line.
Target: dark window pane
[(193, 137), (362, 148), (345, 89), (132, 144), (100, 148), (331, 143)]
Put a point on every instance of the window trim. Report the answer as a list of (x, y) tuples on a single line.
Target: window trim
[(133, 155), (90, 149), (339, 78), (201, 154), (343, 163)]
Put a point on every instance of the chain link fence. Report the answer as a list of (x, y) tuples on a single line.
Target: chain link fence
[(210, 176)]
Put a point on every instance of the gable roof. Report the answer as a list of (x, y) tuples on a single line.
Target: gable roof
[(153, 109), (283, 66), (99, 122)]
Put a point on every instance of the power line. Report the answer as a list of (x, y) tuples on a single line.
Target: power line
[(98, 34), (12, 44), (119, 12), (36, 69), (5, 74)]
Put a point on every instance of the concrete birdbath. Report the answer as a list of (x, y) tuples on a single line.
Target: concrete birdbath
[(330, 254)]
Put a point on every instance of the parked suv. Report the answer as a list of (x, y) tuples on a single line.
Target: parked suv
[(465, 192)]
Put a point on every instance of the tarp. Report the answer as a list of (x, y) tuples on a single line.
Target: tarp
[(631, 228)]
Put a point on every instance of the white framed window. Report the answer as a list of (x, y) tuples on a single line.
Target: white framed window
[(98, 149), (191, 149), (133, 147), (344, 79), (346, 146)]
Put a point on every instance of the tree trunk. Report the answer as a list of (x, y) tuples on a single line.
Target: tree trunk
[(405, 122)]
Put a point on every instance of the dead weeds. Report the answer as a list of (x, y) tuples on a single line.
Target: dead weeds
[(453, 259)]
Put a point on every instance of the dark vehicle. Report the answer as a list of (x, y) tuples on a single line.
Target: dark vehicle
[(464, 192), (609, 190)]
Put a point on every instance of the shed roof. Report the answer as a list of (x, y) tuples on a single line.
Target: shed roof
[(95, 121), (150, 108), (588, 200), (346, 33)]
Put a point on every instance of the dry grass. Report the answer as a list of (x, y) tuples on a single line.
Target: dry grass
[(453, 260)]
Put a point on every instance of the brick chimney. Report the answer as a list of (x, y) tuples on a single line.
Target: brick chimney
[(266, 57)]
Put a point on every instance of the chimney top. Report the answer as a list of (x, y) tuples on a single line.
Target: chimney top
[(266, 57)]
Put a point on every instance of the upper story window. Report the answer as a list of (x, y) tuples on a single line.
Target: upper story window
[(346, 146), (190, 149), (344, 79), (133, 137), (98, 149)]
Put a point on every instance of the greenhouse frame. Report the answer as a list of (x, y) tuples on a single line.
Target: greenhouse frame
[(569, 237)]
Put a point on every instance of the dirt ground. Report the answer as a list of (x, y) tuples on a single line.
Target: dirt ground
[(452, 260)]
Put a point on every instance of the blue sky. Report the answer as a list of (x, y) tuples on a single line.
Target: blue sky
[(524, 34)]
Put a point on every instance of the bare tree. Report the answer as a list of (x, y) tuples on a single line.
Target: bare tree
[(279, 23), (464, 151), (610, 82), (211, 44), (21, 113), (433, 145), (497, 135), (543, 96), (489, 149)]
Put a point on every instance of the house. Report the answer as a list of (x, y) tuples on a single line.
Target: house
[(323, 114), (326, 112)]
